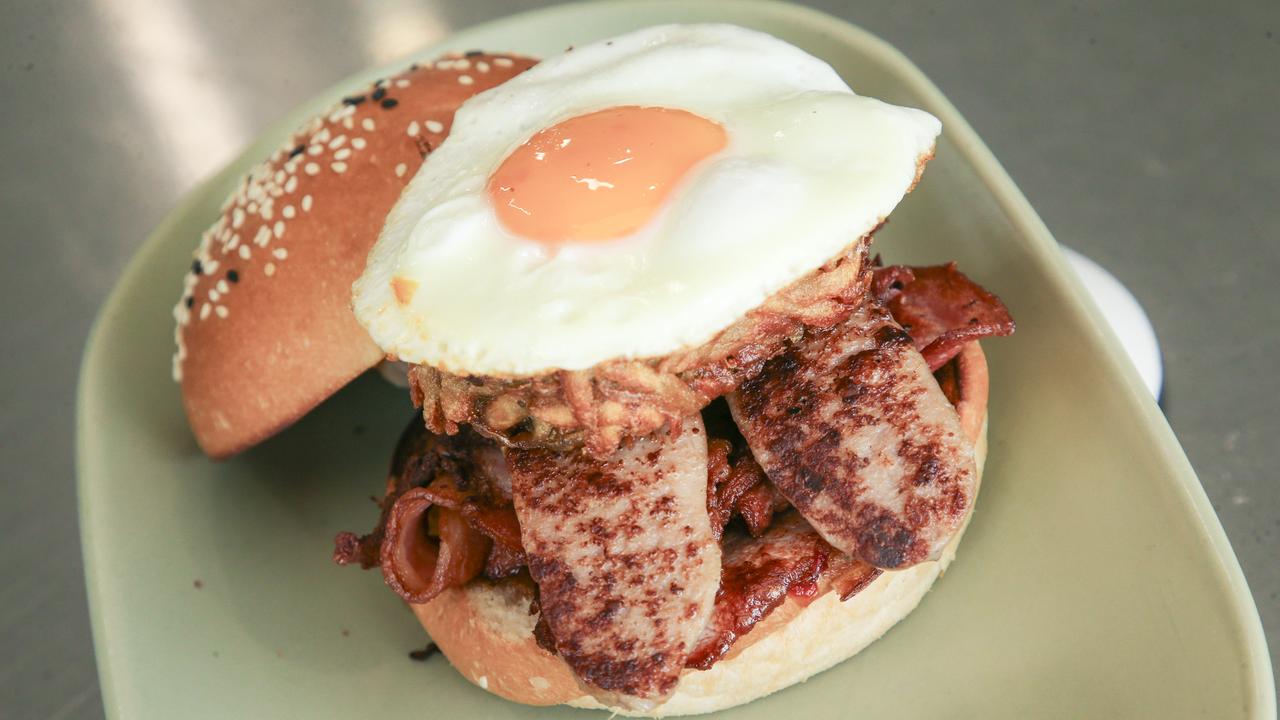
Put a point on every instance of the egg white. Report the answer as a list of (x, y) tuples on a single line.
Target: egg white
[(809, 168)]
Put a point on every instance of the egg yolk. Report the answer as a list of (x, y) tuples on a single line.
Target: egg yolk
[(599, 176)]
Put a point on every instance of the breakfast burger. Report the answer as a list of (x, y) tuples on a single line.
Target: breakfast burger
[(683, 441)]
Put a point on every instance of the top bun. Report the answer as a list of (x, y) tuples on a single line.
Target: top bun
[(265, 328)]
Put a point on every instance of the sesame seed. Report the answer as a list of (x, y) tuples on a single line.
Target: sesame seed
[(297, 151), (462, 64), (353, 100), (233, 243), (279, 177), (474, 53), (434, 126), (233, 276), (401, 169), (267, 212), (280, 253), (482, 66), (389, 103), (269, 269), (358, 143), (214, 295), (211, 266), (465, 79), (221, 311), (263, 237), (342, 154), (306, 203), (337, 142), (367, 124), (503, 62), (322, 136), (413, 129), (311, 169), (292, 184), (288, 212), (349, 123), (205, 308), (380, 93), (278, 228), (190, 301), (223, 287), (196, 267), (402, 83), (339, 167), (245, 252), (315, 149)]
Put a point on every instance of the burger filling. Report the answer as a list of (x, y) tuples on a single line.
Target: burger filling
[(836, 459)]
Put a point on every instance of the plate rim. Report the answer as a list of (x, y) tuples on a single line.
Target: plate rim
[(965, 140)]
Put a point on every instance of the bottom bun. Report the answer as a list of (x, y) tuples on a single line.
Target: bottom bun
[(486, 629)]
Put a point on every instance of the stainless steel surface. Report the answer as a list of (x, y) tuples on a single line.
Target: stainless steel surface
[(1148, 138)]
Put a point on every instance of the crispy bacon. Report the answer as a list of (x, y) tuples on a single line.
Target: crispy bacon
[(730, 478), (736, 485), (414, 463), (624, 556), (941, 308), (757, 506), (445, 519), (759, 574), (503, 562), (852, 428), (419, 564), (498, 522)]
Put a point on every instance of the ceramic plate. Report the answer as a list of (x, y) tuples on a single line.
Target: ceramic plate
[(1095, 580)]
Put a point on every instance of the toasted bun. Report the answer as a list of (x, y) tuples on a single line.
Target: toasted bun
[(265, 327), (486, 631)]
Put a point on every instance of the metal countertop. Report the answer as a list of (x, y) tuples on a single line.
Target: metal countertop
[(1147, 138)]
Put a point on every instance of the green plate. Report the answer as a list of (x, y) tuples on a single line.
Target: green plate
[(1095, 580)]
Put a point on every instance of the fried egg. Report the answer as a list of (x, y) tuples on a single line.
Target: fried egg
[(630, 199)]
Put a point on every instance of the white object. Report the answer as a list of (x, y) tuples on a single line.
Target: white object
[(1125, 316)]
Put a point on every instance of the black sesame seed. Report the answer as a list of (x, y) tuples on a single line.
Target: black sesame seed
[(353, 100), (233, 276), (414, 66), (390, 103), (297, 151), (191, 300), (474, 53), (380, 93), (196, 267)]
